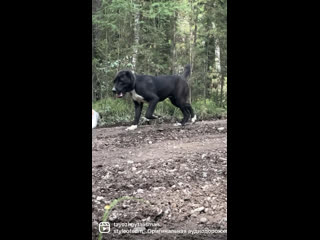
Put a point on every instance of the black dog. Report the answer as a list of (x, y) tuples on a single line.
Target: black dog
[(154, 89)]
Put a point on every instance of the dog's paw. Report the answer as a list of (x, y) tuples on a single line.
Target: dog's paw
[(132, 127), (177, 124), (156, 117), (194, 119), (144, 119), (152, 117)]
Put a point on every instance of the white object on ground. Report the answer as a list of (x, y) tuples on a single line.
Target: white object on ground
[(95, 118), (133, 127)]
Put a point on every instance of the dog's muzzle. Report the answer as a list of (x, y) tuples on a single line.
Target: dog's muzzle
[(118, 95)]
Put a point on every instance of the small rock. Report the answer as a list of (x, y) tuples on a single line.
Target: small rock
[(150, 142), (200, 209), (204, 174), (146, 219), (203, 220), (113, 216), (206, 187), (167, 211), (159, 211), (183, 166), (134, 169), (130, 162), (221, 129), (140, 191), (99, 198), (125, 206)]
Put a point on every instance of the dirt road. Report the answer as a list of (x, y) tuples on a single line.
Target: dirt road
[(179, 172)]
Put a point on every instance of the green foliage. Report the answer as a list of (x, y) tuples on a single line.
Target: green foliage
[(170, 35), (114, 111), (206, 108), (121, 111)]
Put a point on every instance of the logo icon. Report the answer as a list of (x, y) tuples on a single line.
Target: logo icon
[(104, 227)]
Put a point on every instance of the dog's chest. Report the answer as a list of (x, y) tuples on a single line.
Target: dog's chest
[(136, 97)]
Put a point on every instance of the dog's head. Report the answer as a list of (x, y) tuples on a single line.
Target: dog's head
[(123, 83)]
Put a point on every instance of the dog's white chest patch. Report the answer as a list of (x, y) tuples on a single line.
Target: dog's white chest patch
[(136, 97)]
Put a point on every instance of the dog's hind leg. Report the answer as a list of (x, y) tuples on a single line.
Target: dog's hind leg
[(173, 101), (185, 109), (193, 116), (186, 115)]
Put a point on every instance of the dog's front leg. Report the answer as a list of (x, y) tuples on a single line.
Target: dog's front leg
[(151, 108), (137, 113)]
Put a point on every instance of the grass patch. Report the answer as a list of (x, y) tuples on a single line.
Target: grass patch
[(121, 111)]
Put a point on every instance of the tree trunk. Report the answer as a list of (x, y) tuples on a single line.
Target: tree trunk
[(190, 51), (221, 91), (173, 57), (218, 68), (93, 87), (218, 64), (136, 38)]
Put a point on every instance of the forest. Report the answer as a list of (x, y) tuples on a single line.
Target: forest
[(159, 37)]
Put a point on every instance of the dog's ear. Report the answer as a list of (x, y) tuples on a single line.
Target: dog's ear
[(130, 75)]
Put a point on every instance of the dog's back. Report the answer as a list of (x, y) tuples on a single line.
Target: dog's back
[(167, 85)]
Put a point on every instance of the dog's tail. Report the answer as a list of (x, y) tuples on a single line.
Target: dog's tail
[(186, 73)]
